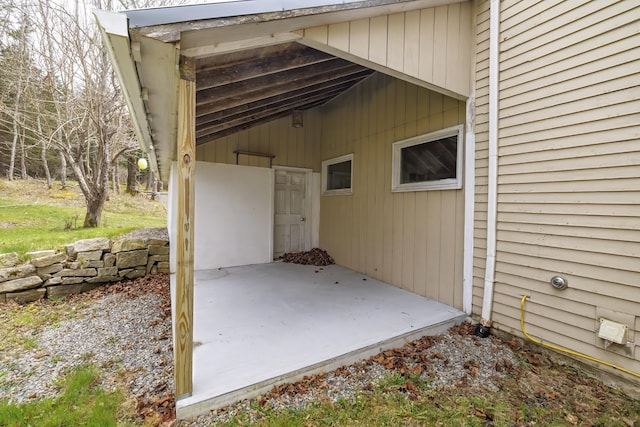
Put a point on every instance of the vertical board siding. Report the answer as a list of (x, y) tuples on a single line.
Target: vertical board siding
[(295, 147), (414, 239), (433, 45), (568, 185)]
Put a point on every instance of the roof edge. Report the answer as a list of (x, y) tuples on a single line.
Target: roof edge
[(167, 24), (114, 31), (227, 9)]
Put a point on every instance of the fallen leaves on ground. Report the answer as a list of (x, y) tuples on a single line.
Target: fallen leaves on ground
[(155, 283), (315, 256), (157, 411), (539, 381)]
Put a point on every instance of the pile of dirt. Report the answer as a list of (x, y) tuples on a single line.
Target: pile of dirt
[(315, 256)]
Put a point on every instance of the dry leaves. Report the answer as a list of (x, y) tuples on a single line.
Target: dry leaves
[(157, 411), (315, 256)]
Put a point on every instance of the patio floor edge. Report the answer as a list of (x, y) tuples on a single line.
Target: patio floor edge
[(204, 406)]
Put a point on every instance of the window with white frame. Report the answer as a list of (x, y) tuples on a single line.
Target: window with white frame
[(428, 162), (337, 175)]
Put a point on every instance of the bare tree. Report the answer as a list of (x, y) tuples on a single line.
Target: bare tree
[(63, 96), (18, 52), (78, 109), (96, 131)]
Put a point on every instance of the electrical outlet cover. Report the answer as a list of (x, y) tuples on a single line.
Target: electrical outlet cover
[(613, 331)]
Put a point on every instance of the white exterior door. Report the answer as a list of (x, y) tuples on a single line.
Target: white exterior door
[(290, 225)]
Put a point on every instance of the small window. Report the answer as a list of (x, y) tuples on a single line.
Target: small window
[(428, 162), (337, 175)]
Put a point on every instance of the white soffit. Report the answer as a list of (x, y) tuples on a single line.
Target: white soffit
[(115, 35), (159, 77)]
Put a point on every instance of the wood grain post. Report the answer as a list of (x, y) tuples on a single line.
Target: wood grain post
[(183, 327)]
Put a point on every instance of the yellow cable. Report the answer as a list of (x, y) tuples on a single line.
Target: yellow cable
[(565, 350)]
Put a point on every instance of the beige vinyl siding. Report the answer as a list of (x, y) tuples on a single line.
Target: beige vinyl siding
[(415, 239), (431, 45), (569, 183), (294, 147)]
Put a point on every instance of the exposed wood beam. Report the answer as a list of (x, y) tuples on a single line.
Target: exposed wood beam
[(234, 100), (281, 82), (206, 63), (231, 131), (261, 112), (238, 45), (241, 89), (246, 70), (183, 323), (244, 126), (288, 98)]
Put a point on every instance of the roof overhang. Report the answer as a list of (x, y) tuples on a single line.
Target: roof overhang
[(147, 46)]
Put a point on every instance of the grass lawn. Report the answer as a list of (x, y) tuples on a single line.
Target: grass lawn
[(33, 217), (536, 392), (81, 402), (401, 401)]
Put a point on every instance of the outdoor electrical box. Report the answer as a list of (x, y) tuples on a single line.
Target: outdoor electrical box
[(613, 331)]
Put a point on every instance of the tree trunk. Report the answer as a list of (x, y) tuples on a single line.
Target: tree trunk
[(16, 107), (14, 145), (63, 170), (43, 156), (45, 164), (95, 193), (115, 172), (23, 164), (94, 212), (131, 175)]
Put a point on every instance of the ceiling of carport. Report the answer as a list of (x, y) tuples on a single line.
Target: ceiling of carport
[(238, 90)]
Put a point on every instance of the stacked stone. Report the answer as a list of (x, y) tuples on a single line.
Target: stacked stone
[(158, 256), (84, 265), (18, 282)]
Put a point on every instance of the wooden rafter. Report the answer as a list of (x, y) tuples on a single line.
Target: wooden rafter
[(258, 67), (296, 99), (243, 89)]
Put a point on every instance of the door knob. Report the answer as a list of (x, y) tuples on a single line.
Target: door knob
[(302, 219)]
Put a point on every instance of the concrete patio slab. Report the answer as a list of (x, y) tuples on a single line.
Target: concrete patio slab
[(261, 325)]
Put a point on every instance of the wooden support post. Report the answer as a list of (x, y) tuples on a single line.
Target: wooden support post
[(183, 327)]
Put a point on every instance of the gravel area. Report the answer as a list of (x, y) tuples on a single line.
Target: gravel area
[(444, 362), (125, 329), (126, 333)]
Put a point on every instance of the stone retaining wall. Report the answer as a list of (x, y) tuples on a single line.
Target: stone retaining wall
[(83, 266)]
